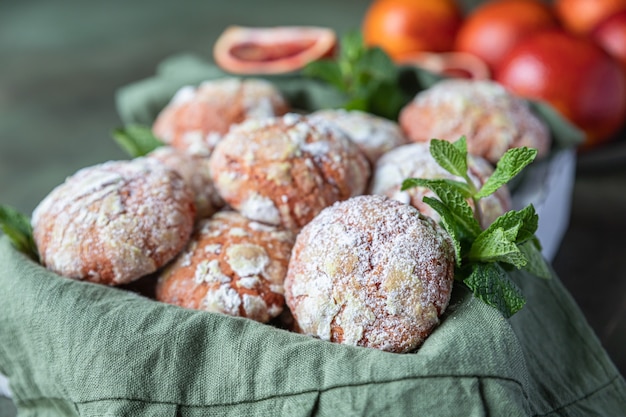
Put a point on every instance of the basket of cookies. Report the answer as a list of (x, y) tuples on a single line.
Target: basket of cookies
[(275, 245)]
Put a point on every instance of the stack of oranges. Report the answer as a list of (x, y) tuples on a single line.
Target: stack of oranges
[(569, 53)]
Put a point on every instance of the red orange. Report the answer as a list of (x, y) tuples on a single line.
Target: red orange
[(610, 34), (581, 16), (574, 75), (493, 28), (404, 26)]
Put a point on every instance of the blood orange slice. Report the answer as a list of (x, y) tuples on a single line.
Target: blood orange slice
[(271, 50), (452, 64)]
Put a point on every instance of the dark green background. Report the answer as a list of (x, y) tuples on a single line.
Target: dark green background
[(61, 62)]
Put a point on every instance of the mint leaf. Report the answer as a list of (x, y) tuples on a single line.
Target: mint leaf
[(377, 65), (356, 103), (366, 76), (536, 265), (448, 221), (455, 213), (18, 229), (464, 234), (461, 145), (497, 245), (525, 220), (351, 47), (451, 156), (385, 99), (438, 183), (491, 283), (458, 205), (511, 163), (136, 140), (485, 257), (325, 70)]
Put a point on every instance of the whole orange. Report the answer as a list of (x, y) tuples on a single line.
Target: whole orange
[(610, 34), (574, 75), (400, 27), (494, 27), (580, 16)]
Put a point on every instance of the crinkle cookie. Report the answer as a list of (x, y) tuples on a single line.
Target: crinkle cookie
[(115, 222), (374, 135), (415, 161), (233, 266), (492, 119), (197, 117), (370, 271), (194, 169), (285, 170)]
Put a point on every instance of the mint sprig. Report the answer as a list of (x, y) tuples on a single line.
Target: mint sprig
[(137, 140), (484, 257), (366, 76), (18, 229), (491, 283)]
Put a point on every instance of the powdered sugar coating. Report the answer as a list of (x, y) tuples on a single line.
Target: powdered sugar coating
[(370, 271), (372, 134), (285, 170), (196, 118), (492, 119), (415, 161), (195, 171), (230, 266), (115, 222)]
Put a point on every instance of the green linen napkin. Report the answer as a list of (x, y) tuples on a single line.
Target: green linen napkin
[(74, 348)]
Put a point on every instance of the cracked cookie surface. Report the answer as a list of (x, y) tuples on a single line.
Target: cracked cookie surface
[(370, 271), (115, 222), (232, 265), (197, 118), (285, 170)]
